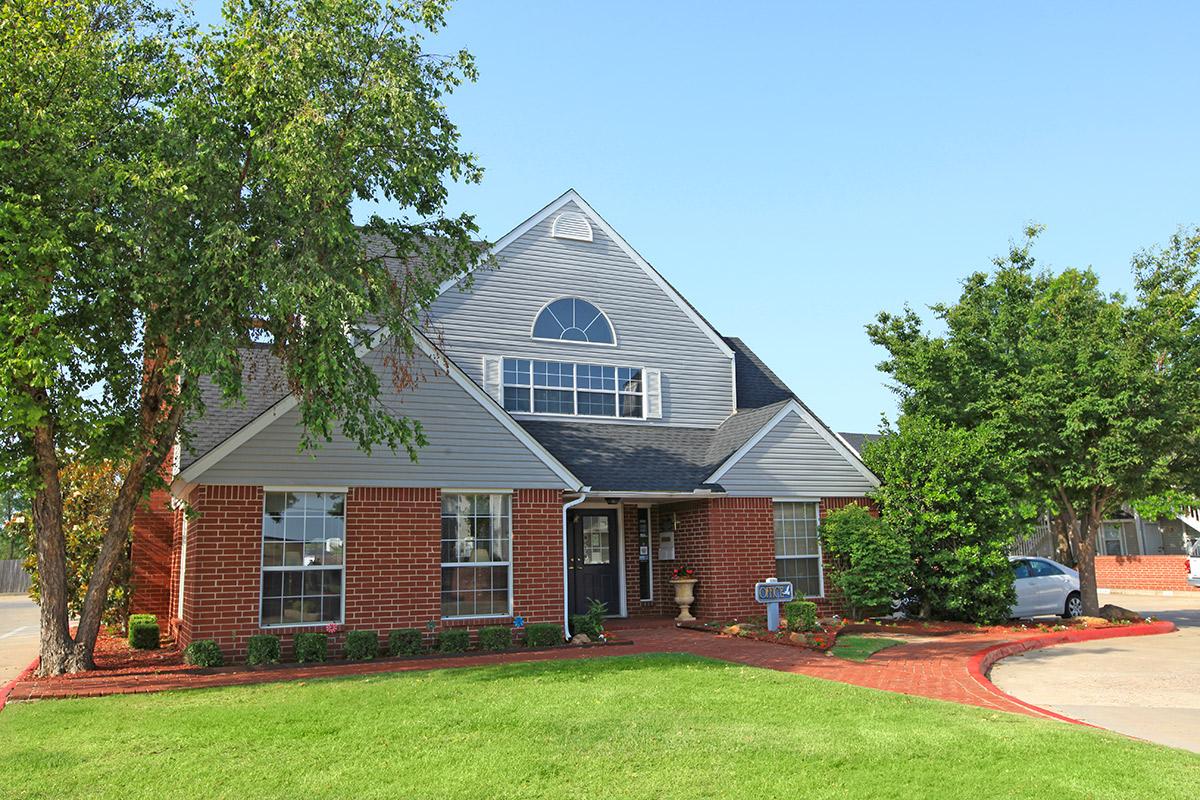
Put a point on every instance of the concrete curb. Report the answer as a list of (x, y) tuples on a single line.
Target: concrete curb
[(26, 673), (980, 664)]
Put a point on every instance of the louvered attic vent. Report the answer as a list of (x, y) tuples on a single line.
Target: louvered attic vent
[(571, 225)]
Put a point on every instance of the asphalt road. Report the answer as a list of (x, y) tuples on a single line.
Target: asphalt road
[(1143, 686), (18, 635)]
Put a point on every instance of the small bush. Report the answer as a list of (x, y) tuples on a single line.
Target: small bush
[(454, 640), (405, 642), (203, 653), (143, 631), (311, 647), (867, 561), (362, 645), (801, 615), (543, 634), (591, 623), (495, 637), (263, 649)]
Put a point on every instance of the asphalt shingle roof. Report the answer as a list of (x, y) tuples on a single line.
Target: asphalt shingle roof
[(857, 440)]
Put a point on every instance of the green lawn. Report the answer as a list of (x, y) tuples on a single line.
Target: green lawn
[(860, 648), (641, 727)]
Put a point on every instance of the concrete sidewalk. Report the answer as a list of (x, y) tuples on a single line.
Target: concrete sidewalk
[(19, 625), (1143, 686)]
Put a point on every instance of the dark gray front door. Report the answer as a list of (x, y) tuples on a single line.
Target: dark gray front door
[(593, 560)]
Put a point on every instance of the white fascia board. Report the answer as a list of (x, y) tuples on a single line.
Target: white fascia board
[(793, 407), (286, 404), (572, 196)]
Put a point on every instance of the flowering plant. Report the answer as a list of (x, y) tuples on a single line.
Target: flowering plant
[(332, 628), (681, 573)]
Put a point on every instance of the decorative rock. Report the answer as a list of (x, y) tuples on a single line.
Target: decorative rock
[(1117, 614), (581, 638), (797, 638), (1091, 622), (732, 630)]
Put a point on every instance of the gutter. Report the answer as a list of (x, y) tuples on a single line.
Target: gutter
[(566, 600)]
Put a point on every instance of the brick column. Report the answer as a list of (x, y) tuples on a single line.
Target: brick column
[(152, 557)]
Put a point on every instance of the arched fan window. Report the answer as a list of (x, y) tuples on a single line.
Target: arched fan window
[(570, 319)]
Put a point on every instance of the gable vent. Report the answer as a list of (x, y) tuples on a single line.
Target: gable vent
[(571, 225)]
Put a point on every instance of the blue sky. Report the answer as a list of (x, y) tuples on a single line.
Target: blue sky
[(795, 168)]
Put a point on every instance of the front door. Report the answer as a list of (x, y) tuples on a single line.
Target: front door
[(593, 560)]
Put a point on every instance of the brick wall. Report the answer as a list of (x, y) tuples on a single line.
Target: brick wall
[(1147, 573), (151, 555), (393, 563)]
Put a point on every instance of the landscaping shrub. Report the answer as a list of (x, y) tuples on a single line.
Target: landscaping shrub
[(143, 631), (801, 615), (362, 645), (454, 640), (203, 653), (495, 637), (263, 649), (543, 634), (591, 623), (868, 561), (405, 642), (311, 647)]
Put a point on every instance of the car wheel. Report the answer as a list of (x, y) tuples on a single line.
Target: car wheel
[(1074, 606)]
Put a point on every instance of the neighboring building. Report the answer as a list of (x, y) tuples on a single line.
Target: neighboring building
[(588, 431)]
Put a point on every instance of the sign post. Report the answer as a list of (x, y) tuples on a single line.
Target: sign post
[(772, 592)]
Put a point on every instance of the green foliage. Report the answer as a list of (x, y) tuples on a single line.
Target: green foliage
[(495, 637), (591, 623), (405, 642), (263, 648), (203, 653), (454, 640), (311, 647), (88, 494), (143, 631), (954, 496), (361, 645), (870, 563), (801, 615), (543, 634)]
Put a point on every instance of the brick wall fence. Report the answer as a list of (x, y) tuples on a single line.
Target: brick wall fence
[(1146, 573)]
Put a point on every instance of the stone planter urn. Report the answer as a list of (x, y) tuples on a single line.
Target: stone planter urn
[(684, 597)]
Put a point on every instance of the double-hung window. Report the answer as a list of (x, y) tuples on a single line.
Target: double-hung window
[(476, 555), (797, 547), (562, 387), (303, 543)]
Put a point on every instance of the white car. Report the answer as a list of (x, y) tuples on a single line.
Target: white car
[(1045, 587)]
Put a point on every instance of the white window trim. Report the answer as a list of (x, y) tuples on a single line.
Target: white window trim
[(612, 328), (574, 389), (820, 556), (262, 566), (461, 564)]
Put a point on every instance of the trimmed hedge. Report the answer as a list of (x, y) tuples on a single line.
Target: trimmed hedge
[(263, 649), (801, 615), (143, 631), (454, 640), (543, 634), (405, 642), (495, 637), (311, 647), (203, 653), (361, 645)]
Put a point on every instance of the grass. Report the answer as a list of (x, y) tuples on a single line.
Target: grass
[(665, 726), (860, 648)]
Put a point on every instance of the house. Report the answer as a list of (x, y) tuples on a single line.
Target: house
[(588, 430)]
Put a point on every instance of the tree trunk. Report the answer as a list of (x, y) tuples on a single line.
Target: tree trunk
[(1062, 540), (46, 510), (1085, 546)]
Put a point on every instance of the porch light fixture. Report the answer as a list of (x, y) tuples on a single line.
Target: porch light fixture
[(612, 501)]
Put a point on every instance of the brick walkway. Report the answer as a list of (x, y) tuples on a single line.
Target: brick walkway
[(936, 667)]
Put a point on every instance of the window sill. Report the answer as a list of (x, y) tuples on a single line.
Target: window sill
[(477, 616), (286, 625)]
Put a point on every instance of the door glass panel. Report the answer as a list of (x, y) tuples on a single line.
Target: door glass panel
[(596, 540)]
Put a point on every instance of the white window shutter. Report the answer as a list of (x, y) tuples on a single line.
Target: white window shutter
[(653, 394), (491, 378)]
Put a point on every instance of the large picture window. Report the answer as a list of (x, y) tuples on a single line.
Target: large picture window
[(476, 555), (797, 547), (303, 544), (561, 387)]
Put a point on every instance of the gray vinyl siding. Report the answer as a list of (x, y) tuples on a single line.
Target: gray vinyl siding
[(468, 447), (793, 460), (495, 317)]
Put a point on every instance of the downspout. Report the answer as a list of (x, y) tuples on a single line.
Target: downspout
[(566, 599)]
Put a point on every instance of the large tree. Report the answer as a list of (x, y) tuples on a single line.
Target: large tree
[(1095, 395), (170, 195)]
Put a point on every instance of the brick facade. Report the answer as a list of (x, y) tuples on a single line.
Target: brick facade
[(151, 554), (1146, 573)]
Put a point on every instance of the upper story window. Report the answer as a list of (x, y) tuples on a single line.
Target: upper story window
[(558, 387), (570, 319)]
